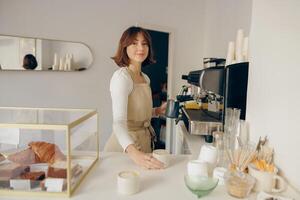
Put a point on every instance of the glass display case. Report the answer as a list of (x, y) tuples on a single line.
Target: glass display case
[(46, 151)]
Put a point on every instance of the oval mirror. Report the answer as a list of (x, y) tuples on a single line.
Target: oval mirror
[(24, 53)]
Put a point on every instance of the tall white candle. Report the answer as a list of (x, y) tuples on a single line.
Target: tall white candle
[(55, 62), (245, 49), (61, 64), (230, 53), (71, 62), (67, 63), (239, 45)]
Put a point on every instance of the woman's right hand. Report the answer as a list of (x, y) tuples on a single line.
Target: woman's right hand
[(143, 159)]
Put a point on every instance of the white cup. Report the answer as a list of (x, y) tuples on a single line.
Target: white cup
[(208, 153), (128, 182), (219, 173), (162, 155), (197, 168), (266, 181)]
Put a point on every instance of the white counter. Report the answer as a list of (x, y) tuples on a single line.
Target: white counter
[(101, 183)]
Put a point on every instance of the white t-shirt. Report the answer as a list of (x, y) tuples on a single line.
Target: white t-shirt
[(121, 85)]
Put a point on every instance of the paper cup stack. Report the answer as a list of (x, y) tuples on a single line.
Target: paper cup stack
[(238, 51)]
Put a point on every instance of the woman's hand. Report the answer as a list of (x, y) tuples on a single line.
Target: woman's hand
[(161, 110), (142, 159)]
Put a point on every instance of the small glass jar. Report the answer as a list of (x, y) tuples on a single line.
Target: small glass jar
[(238, 184)]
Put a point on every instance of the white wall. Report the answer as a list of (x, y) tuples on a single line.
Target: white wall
[(222, 19), (273, 94), (99, 24)]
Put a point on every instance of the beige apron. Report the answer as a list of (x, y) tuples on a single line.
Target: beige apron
[(139, 113)]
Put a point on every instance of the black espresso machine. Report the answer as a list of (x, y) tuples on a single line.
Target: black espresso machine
[(218, 88)]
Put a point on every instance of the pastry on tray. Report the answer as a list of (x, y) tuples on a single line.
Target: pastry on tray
[(47, 152), (38, 152)]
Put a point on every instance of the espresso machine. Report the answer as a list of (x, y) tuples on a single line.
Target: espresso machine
[(213, 89)]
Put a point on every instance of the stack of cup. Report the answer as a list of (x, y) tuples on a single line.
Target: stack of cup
[(209, 154), (197, 168), (238, 51), (163, 156)]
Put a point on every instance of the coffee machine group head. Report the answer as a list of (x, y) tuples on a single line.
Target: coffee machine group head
[(209, 79)]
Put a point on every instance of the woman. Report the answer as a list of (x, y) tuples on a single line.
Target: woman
[(132, 101)]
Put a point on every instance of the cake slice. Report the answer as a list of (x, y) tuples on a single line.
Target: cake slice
[(34, 176), (59, 170)]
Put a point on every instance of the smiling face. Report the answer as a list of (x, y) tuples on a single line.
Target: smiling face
[(138, 50), (134, 48)]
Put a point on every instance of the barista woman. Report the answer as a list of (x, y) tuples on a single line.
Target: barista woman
[(132, 101)]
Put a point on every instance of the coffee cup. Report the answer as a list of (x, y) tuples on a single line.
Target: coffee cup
[(172, 109), (162, 155), (219, 173), (197, 168), (128, 182), (266, 181), (208, 153)]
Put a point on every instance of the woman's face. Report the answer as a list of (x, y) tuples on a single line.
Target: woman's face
[(138, 51)]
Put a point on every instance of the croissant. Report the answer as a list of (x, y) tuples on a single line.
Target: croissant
[(47, 152)]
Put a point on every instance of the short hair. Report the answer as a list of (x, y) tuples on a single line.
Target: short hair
[(129, 35), (29, 62)]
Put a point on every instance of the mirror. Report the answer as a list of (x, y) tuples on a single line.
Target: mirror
[(24, 53)]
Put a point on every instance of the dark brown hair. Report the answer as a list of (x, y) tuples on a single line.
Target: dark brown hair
[(29, 62), (129, 35)]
